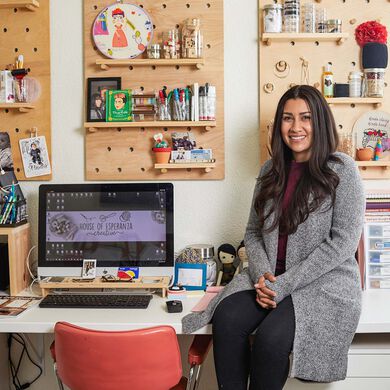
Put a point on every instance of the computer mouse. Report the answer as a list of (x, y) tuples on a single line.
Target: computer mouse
[(174, 306)]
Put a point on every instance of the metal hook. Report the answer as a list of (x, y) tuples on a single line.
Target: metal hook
[(34, 132)]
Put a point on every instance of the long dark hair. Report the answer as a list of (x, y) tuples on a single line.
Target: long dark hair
[(317, 182)]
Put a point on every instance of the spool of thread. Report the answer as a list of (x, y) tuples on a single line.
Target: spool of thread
[(375, 55)]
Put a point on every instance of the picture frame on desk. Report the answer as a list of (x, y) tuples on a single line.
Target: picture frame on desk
[(96, 96), (191, 276)]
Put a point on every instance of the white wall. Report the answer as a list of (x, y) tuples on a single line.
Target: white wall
[(206, 211)]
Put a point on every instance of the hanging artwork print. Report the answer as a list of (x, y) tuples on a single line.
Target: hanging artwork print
[(35, 156), (122, 31), (371, 127)]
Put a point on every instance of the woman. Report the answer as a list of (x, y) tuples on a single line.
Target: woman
[(300, 294)]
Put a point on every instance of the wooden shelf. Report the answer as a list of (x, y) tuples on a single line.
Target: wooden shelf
[(339, 38), (22, 107), (31, 5), (206, 166), (94, 126), (105, 64), (377, 102), (366, 164)]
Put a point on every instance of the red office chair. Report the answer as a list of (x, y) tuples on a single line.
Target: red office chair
[(145, 359)]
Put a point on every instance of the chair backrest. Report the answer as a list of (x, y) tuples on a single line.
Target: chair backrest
[(98, 360)]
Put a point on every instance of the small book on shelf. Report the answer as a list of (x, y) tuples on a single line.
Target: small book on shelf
[(119, 106)]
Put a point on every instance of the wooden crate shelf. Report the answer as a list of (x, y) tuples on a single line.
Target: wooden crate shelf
[(106, 64), (376, 102), (22, 107), (31, 5), (208, 167), (339, 38), (95, 126)]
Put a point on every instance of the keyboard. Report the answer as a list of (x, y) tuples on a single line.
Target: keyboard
[(96, 301)]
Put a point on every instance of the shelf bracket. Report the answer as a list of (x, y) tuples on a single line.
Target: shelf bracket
[(24, 109), (340, 41), (208, 170), (208, 128), (92, 129), (104, 67), (377, 105), (199, 66), (164, 170)]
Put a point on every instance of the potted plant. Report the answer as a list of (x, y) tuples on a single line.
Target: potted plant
[(161, 149)]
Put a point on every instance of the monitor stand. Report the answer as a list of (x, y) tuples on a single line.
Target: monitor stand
[(146, 282)]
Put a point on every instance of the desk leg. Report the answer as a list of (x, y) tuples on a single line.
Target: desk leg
[(4, 373)]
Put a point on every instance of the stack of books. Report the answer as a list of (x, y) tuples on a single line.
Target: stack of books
[(377, 206)]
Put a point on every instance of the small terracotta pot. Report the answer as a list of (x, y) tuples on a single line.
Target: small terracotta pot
[(364, 154), (162, 155)]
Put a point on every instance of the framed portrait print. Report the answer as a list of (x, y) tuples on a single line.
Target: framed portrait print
[(96, 101), (192, 276)]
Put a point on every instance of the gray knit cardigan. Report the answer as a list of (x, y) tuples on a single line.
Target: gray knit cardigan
[(321, 276)]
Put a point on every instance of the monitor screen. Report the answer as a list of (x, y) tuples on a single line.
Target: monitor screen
[(119, 225)]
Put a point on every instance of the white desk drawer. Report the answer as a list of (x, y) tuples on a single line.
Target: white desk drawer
[(368, 366)]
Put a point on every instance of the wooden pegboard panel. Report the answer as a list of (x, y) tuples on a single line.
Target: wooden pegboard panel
[(27, 31), (345, 57), (125, 154)]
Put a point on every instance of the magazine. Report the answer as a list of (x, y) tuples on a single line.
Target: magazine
[(35, 156), (119, 106), (12, 306)]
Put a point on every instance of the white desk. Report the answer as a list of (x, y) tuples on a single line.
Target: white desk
[(375, 317)]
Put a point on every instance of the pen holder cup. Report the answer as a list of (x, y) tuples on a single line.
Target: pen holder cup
[(162, 155), (164, 111), (13, 213)]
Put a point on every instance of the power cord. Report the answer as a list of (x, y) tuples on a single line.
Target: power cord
[(16, 337), (33, 277)]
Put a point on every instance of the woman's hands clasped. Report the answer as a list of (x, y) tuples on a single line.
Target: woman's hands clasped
[(265, 296)]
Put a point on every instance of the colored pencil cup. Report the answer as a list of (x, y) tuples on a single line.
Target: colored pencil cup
[(162, 155)]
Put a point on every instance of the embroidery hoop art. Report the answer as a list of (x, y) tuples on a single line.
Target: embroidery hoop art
[(122, 31), (371, 126)]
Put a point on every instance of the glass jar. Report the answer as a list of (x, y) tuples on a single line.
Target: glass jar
[(154, 51), (321, 26), (346, 144), (333, 25), (374, 82), (355, 84), (291, 16), (192, 39), (272, 18), (171, 44), (309, 18)]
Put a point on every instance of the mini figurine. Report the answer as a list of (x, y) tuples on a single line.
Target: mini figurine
[(226, 256), (241, 253), (378, 150)]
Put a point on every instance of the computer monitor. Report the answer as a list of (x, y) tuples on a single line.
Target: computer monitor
[(119, 225)]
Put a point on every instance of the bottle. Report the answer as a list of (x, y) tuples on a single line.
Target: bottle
[(327, 81)]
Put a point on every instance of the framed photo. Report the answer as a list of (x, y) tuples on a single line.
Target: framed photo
[(191, 276), (89, 269), (96, 96)]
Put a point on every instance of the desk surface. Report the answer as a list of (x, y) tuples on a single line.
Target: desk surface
[(375, 316)]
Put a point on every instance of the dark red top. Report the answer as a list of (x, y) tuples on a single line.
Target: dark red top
[(295, 174)]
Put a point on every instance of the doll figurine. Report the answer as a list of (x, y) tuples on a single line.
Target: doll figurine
[(226, 256), (241, 253)]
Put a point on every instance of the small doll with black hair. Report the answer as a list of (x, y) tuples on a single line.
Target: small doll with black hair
[(225, 257)]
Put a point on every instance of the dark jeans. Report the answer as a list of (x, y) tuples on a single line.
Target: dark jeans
[(267, 361)]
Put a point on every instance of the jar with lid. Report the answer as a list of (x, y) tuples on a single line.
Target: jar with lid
[(192, 39), (355, 84), (309, 18), (374, 82), (321, 20), (154, 51), (171, 44), (333, 25), (291, 16), (272, 18)]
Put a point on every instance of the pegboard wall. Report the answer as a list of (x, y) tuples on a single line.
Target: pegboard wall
[(125, 153), (345, 57), (25, 29)]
